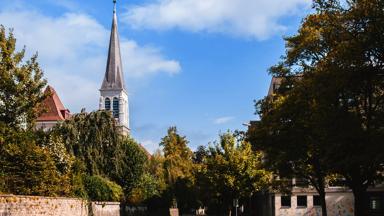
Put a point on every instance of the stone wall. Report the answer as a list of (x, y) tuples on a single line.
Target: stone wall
[(11, 205), (105, 208)]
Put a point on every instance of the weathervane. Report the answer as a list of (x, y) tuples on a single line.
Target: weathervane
[(114, 6)]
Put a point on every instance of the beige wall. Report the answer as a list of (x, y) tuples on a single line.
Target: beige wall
[(46, 126), (338, 203), (48, 206)]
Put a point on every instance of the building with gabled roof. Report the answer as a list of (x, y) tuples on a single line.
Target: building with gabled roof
[(53, 110)]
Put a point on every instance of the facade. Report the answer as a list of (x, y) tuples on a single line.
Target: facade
[(54, 111), (306, 201), (113, 94)]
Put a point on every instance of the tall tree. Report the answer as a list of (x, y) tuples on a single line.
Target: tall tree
[(21, 84), (94, 139), (231, 171), (178, 169), (28, 169), (290, 137), (130, 163), (339, 52), (178, 157)]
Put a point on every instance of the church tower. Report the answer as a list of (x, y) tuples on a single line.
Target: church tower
[(113, 94)]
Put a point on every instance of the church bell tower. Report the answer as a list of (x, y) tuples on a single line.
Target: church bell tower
[(113, 94)]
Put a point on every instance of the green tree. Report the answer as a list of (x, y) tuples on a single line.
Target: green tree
[(28, 169), (293, 142), (178, 157), (130, 165), (92, 138), (155, 167), (102, 189), (147, 188), (338, 51), (232, 171), (21, 84), (178, 169)]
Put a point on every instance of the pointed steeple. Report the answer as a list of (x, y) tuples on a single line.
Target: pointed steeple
[(114, 79)]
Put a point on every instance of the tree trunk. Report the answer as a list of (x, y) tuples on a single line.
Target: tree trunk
[(323, 202), (320, 180), (360, 201)]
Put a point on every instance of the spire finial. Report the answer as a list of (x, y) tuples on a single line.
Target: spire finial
[(114, 6)]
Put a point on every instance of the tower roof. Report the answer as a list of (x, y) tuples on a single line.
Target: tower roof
[(114, 79)]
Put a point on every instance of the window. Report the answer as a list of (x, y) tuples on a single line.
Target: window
[(375, 203), (285, 201), (316, 200), (115, 108), (301, 201), (107, 104)]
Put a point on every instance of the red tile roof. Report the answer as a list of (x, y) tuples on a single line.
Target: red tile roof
[(54, 109)]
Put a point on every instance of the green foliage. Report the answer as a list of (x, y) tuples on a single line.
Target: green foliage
[(29, 169), (77, 179), (130, 161), (92, 138), (178, 157), (231, 170), (147, 188), (334, 114), (21, 84), (102, 189), (54, 144), (55, 163), (171, 172), (26, 167), (155, 167)]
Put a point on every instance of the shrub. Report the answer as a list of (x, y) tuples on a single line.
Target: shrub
[(102, 189), (29, 170)]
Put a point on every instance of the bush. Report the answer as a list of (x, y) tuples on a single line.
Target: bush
[(101, 189), (29, 170)]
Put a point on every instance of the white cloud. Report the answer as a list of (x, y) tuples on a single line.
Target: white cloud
[(73, 50), (248, 18), (223, 120), (150, 145), (143, 61)]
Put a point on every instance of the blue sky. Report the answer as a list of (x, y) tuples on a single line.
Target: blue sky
[(194, 64)]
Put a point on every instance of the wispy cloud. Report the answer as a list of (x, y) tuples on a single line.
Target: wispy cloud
[(144, 60), (246, 18), (72, 51), (150, 145), (223, 120)]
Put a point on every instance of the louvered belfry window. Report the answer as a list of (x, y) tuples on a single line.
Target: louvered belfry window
[(115, 108), (107, 104)]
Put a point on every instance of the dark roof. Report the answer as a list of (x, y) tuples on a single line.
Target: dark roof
[(114, 79)]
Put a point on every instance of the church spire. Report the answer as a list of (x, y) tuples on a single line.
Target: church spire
[(114, 79)]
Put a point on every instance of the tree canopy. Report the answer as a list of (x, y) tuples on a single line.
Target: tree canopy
[(231, 170), (21, 84), (330, 104)]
